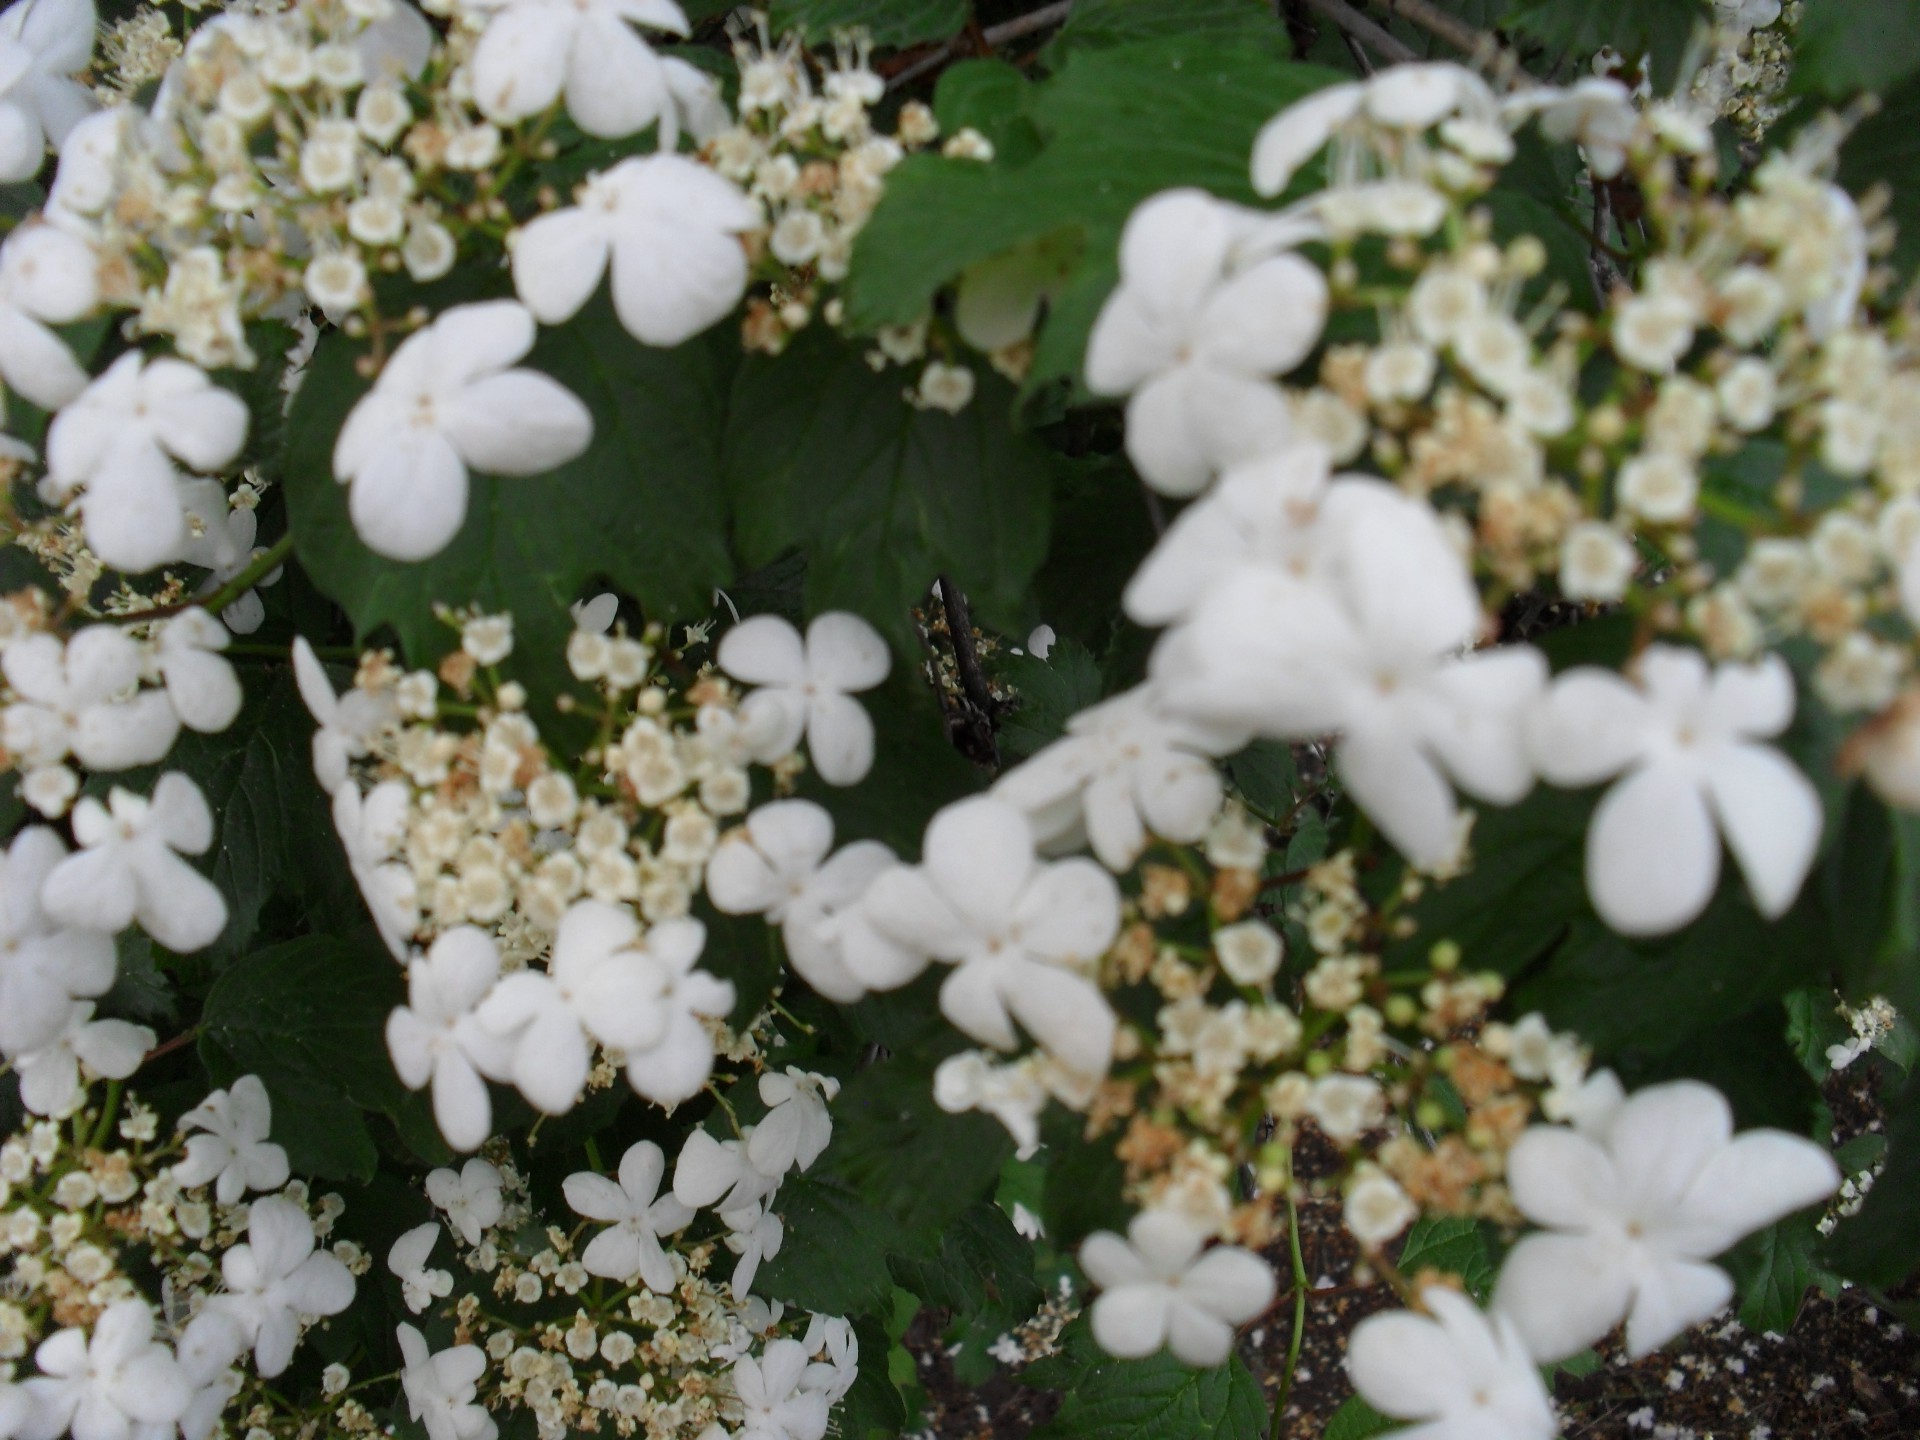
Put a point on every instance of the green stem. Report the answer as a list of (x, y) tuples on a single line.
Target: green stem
[(269, 560), (1299, 1314), (109, 1112)]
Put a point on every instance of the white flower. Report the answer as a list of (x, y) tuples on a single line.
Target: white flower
[(776, 864), (276, 1280), (1023, 937), (470, 1198), (674, 1069), (796, 1127), (440, 1388), (669, 228), (719, 1174), (755, 1234), (118, 443), (449, 400), (44, 967), (1596, 562), (1376, 1208), (131, 867), (84, 697), (774, 1404), (223, 544), (595, 616), (1687, 743), (233, 1150), (372, 828), (1659, 487), (1192, 340), (533, 51), (1596, 112), (407, 1260), (104, 1387), (435, 1038), (50, 1076), (347, 722), (805, 688), (1299, 132), (1634, 1211), (1345, 1107), (1012, 1094), (1464, 1373), (629, 1247), (200, 682), (43, 44), (1157, 1288), (1124, 769), (47, 278), (1249, 952)]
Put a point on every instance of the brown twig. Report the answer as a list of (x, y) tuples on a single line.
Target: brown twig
[(973, 680), (994, 36), (1388, 46)]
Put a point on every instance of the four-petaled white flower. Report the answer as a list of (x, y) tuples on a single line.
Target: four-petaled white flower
[(84, 698), (276, 1280), (434, 1038), (440, 1388), (372, 828), (636, 1214), (1686, 742), (668, 227), (1023, 937), (347, 722), (420, 1285), (806, 687), (232, 1150), (1157, 1288), (796, 1127), (534, 51), (1124, 769), (470, 1197), (44, 966), (449, 400), (774, 1404), (755, 1234), (109, 1385), (50, 1076), (112, 452), (47, 278), (201, 685), (1464, 1373), (130, 868), (677, 1065), (1192, 340), (44, 44), (1636, 1209), (777, 865)]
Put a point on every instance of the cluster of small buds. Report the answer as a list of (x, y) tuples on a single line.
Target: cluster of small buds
[(1745, 80), (1871, 1023)]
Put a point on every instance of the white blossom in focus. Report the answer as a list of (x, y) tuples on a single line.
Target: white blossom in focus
[(1158, 1288), (130, 867), (47, 278), (806, 688), (670, 230), (43, 45), (1192, 340), (449, 400), (796, 1127), (420, 1285), (1023, 937), (107, 1385), (440, 1388), (232, 1150), (347, 722), (774, 1403), (636, 1215), (276, 1280), (435, 1039), (112, 453), (719, 1174), (1686, 742), (1464, 1373), (1635, 1209), (469, 1197)]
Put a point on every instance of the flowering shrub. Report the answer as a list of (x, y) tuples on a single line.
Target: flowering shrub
[(673, 688)]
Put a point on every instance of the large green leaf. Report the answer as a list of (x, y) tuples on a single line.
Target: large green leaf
[(824, 454), (308, 1018), (1774, 1270), (833, 1259), (642, 508), (889, 22), (1051, 692), (1842, 47), (1119, 123), (1159, 1398), (1576, 28), (1097, 24), (1453, 1243), (982, 1275)]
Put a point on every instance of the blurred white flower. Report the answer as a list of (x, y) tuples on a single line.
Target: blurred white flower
[(84, 698), (347, 722), (420, 1285), (1158, 1288), (200, 681), (44, 966), (44, 44), (276, 1280), (47, 278), (130, 868), (434, 1038), (372, 828), (533, 52), (104, 1386), (1465, 1374)]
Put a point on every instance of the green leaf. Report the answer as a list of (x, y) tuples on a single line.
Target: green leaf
[(307, 1017), (1453, 1243), (1050, 691), (1746, 1058), (1119, 124), (1355, 1420), (1157, 1398), (1814, 1024), (833, 1260), (1574, 29), (1101, 532), (904, 1156), (1084, 1178), (1098, 24), (983, 1273), (1885, 150), (1880, 1245), (872, 1408), (1842, 47), (1774, 1270), (889, 22), (824, 454), (642, 508), (1265, 774)]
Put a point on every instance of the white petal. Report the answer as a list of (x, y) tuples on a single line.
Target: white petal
[(1297, 133), (615, 85), (1403, 791), (521, 62), (558, 260), (1266, 319), (1652, 853), (839, 738), (764, 650), (1563, 1292), (1133, 1320), (1404, 1365), (1562, 1179), (407, 504), (517, 423), (1590, 724), (670, 282), (1771, 816), (1672, 1296)]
